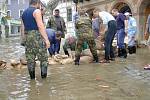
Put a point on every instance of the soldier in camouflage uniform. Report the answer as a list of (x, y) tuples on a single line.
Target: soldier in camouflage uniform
[(84, 33), (36, 40)]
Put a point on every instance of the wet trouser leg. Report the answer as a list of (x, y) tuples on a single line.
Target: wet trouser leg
[(120, 38), (30, 51), (36, 47), (131, 43), (43, 66), (43, 58), (58, 46), (109, 39), (120, 43), (65, 47), (31, 68), (51, 50), (92, 46), (78, 50)]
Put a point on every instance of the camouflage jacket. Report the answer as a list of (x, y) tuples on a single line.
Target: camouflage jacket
[(53, 25), (84, 27)]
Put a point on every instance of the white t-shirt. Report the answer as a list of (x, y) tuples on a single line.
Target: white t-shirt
[(106, 17)]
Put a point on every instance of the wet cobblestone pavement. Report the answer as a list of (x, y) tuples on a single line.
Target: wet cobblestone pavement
[(123, 79)]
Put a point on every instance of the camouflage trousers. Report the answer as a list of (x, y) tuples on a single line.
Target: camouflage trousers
[(91, 43), (35, 47)]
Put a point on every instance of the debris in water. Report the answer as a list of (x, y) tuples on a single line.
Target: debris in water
[(147, 67)]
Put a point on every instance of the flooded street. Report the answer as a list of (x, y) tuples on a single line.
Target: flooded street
[(124, 79)]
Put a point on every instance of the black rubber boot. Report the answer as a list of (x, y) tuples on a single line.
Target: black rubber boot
[(134, 49), (43, 75), (124, 53), (32, 74), (43, 72), (130, 49), (95, 59), (77, 59), (120, 52), (66, 52), (31, 69)]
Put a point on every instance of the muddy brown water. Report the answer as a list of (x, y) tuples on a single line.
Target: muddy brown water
[(124, 79)]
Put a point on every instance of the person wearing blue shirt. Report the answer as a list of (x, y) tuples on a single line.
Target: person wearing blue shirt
[(121, 32), (96, 21), (131, 32), (54, 38)]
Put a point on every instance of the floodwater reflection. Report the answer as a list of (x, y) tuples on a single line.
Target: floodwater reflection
[(124, 79)]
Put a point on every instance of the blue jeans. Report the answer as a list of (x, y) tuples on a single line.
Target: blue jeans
[(120, 38), (110, 33), (54, 48)]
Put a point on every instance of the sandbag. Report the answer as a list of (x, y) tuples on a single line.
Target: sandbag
[(86, 52), (51, 61), (86, 59), (3, 64), (14, 63), (66, 61), (99, 43), (23, 61)]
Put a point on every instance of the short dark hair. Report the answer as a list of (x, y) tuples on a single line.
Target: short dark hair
[(115, 10), (57, 10), (58, 33), (33, 2)]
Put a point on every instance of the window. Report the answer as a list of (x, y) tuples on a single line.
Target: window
[(8, 2), (69, 14), (19, 29), (65, 1), (20, 13), (18, 2), (23, 1), (8, 13)]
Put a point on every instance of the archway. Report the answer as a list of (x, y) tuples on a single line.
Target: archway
[(90, 12), (122, 7), (144, 11)]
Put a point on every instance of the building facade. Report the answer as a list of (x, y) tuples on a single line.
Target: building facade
[(2, 15), (15, 9), (139, 9), (67, 9)]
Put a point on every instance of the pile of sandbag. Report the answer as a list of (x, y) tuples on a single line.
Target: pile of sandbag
[(2, 64), (86, 57), (13, 63), (99, 43), (60, 59)]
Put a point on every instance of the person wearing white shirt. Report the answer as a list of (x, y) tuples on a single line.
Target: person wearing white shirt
[(109, 28)]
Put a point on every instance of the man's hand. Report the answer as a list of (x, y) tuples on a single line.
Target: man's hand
[(145, 33)]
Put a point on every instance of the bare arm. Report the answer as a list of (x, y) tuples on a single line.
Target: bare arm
[(23, 38), (147, 24), (146, 28), (103, 28), (126, 26), (38, 17)]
